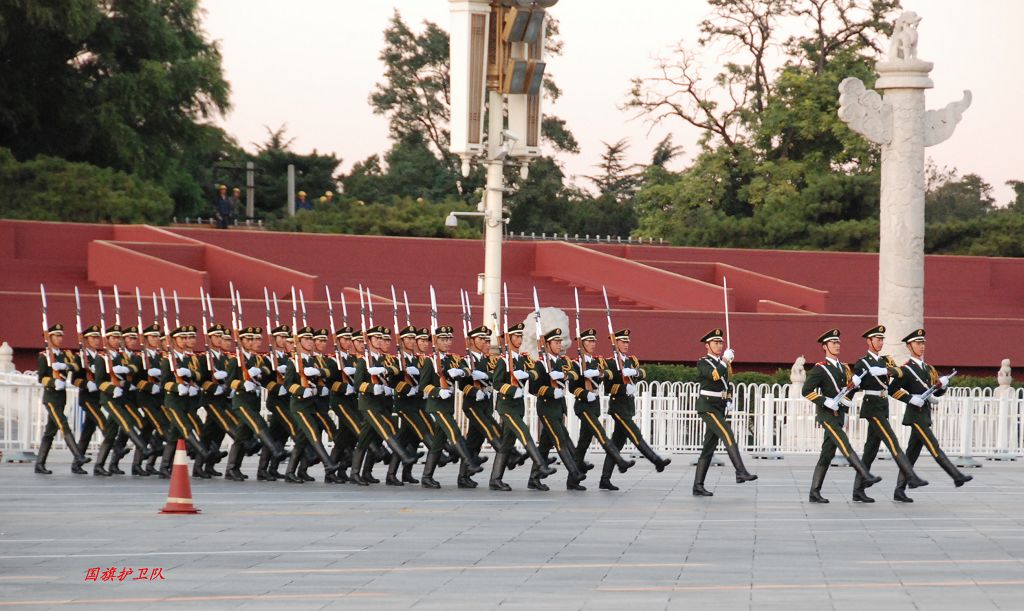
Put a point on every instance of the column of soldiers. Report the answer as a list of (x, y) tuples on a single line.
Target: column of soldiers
[(376, 406)]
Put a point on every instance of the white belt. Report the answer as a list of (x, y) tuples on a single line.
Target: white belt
[(876, 393), (715, 394)]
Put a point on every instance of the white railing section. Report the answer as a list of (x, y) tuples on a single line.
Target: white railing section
[(766, 419)]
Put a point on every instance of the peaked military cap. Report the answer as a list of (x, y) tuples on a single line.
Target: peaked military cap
[(190, 330), (153, 329), (385, 332), (481, 331), (57, 329), (827, 336), (91, 330), (444, 331), (423, 333), (589, 333), (114, 330), (375, 331), (516, 329), (251, 332), (914, 336), (131, 331), (345, 332), (876, 331), (180, 331), (358, 335), (282, 330), (216, 329), (712, 335), (306, 331), (553, 334), (320, 334), (408, 331), (622, 335)]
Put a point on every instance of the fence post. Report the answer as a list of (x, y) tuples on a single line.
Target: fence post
[(966, 458), (1004, 421)]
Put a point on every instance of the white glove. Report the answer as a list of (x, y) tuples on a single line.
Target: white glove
[(182, 390), (349, 371), (519, 394), (455, 372), (58, 366), (388, 391), (91, 386), (629, 372), (308, 392), (376, 371), (118, 392), (559, 393), (917, 401), (445, 393), (219, 374), (282, 391), (728, 405), (350, 390), (378, 389), (154, 389), (933, 400), (311, 372), (324, 391), (630, 389), (878, 371), (282, 369), (132, 387), (855, 379), (193, 391), (154, 372), (59, 384), (848, 403), (184, 372), (831, 404), (557, 375), (592, 373), (520, 374), (728, 356), (250, 386), (412, 391), (944, 381), (479, 375), (121, 370), (413, 371), (591, 397), (254, 372), (481, 395), (218, 391)]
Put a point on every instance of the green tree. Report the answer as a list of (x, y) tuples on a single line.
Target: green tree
[(949, 197), (315, 173)]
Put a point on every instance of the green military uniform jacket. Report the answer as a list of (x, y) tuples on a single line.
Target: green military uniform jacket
[(408, 396), (714, 377), (620, 402), (274, 382), (878, 389), (474, 361), (506, 384), (293, 382), (545, 387), (826, 380), (168, 378), (433, 381), (341, 383), (48, 377), (236, 380), (146, 383), (364, 382), (917, 377), (107, 381), (582, 385)]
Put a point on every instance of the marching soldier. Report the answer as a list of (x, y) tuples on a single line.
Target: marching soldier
[(413, 429), (825, 387), (138, 384), (281, 426), (220, 420), (53, 368), (88, 391), (113, 376), (197, 400), (621, 386), (918, 380), (878, 374), (550, 390), (439, 380), (344, 401), (590, 371), (245, 379), (714, 372), (424, 348), (511, 373), (477, 402), (178, 372), (151, 397), (301, 376)]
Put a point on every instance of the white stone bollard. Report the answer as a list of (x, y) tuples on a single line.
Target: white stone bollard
[(6, 358)]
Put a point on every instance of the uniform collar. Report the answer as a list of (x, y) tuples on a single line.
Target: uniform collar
[(873, 355), (714, 358), (832, 361), (920, 362)]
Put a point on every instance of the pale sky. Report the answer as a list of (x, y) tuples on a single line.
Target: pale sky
[(312, 64)]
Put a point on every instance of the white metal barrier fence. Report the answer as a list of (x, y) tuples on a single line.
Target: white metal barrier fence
[(980, 422)]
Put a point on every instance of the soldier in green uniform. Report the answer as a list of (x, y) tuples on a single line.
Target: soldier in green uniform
[(151, 396), (623, 373), (88, 391), (376, 375), (878, 375), (203, 380), (824, 386), (220, 420), (53, 367), (590, 371), (478, 402), (322, 401), (918, 379), (178, 372), (439, 381), (412, 431), (113, 376), (301, 377), (714, 373), (244, 379), (133, 404), (344, 401), (280, 423), (550, 388), (510, 376), (425, 348)]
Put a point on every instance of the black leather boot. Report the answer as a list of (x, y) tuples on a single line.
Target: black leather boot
[(137, 468), (742, 475), (234, 456), (44, 451), (858, 490), (959, 478), (540, 465), (293, 464), (407, 476), (357, 467), (497, 472), (907, 473), (165, 461), (262, 468), (867, 479), (648, 452), (101, 457), (606, 474), (575, 474), (816, 481), (465, 481), (427, 479), (466, 456), (698, 478), (392, 477)]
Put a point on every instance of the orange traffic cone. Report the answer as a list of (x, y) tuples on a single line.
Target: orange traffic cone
[(179, 497)]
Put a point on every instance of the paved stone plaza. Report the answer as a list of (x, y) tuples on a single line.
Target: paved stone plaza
[(650, 546)]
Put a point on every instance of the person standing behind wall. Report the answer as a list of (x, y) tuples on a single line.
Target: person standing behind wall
[(222, 207)]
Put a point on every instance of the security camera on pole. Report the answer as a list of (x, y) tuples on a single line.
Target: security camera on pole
[(496, 59)]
